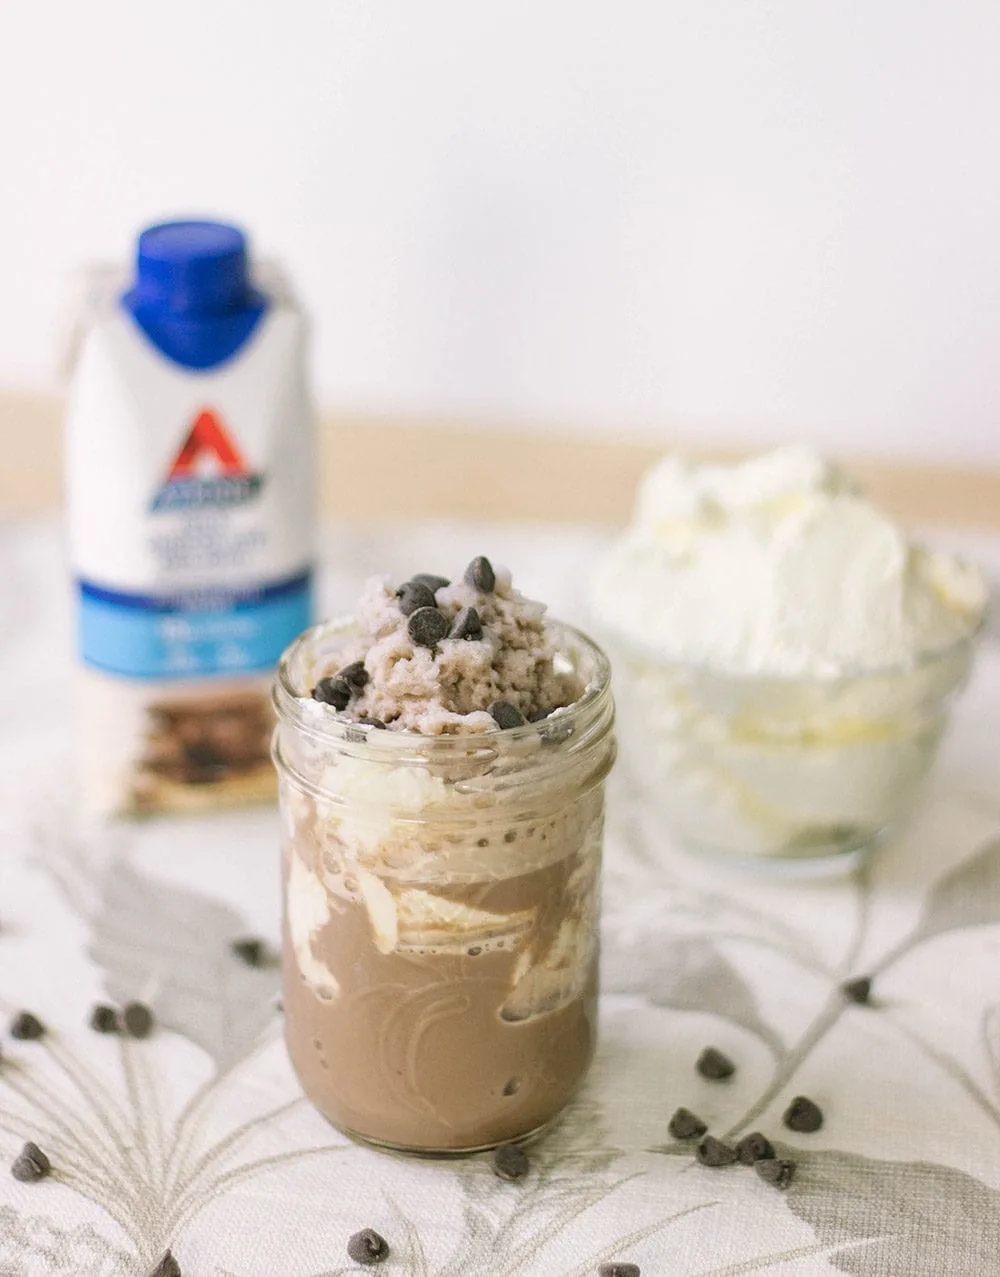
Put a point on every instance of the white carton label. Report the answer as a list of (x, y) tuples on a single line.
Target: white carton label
[(190, 502)]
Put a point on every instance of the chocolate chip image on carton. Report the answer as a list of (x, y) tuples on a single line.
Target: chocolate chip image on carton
[(216, 742)]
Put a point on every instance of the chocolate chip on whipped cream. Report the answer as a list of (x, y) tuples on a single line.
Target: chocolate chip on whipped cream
[(427, 626), (433, 583), (354, 675), (480, 575), (413, 595), (332, 691), (467, 625), (506, 715)]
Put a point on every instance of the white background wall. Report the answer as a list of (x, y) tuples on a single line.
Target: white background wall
[(740, 219)]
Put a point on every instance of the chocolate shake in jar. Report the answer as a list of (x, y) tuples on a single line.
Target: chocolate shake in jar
[(442, 757)]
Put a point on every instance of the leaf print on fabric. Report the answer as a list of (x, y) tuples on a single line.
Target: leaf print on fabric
[(171, 947), (32, 1244), (968, 896), (150, 1174), (688, 974), (904, 1218)]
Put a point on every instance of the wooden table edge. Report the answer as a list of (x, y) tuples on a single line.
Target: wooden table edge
[(382, 467)]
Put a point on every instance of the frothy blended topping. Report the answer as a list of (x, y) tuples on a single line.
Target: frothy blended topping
[(444, 657), (778, 565)]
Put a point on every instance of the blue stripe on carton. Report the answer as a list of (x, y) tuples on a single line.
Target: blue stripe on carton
[(192, 632)]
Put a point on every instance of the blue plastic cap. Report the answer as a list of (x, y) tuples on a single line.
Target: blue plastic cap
[(193, 296), (196, 267)]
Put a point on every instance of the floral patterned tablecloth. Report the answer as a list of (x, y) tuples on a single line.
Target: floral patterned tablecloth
[(197, 1138)]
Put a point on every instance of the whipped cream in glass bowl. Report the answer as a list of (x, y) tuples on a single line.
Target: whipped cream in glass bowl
[(785, 656)]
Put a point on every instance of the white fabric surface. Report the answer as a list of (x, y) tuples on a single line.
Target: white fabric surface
[(197, 1138)]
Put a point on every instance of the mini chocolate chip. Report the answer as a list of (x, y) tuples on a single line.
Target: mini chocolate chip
[(467, 625), (803, 1115), (372, 722), (354, 675), (858, 990), (754, 1147), (712, 1152), (252, 951), (332, 691), (103, 1019), (26, 1027), (506, 715), (167, 1267), (775, 1170), (368, 1247), (510, 1162), (538, 715), (480, 575), (512, 1086), (619, 1270), (31, 1164), (714, 1065), (685, 1125), (137, 1020), (427, 626), (413, 595), (433, 583)]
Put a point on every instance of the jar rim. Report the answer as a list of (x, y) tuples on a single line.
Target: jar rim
[(290, 703)]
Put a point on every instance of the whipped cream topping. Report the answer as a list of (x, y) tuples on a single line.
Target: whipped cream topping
[(308, 910), (777, 565)]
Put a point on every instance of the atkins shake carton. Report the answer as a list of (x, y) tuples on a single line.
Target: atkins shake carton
[(190, 480)]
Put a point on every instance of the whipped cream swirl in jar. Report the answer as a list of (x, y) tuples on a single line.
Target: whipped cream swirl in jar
[(442, 757), (786, 655)]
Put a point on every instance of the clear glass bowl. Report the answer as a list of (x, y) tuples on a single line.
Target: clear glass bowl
[(797, 771)]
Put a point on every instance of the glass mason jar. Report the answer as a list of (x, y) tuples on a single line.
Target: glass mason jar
[(441, 910)]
